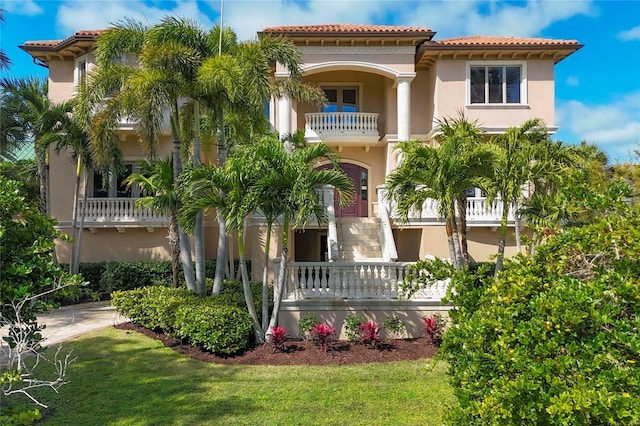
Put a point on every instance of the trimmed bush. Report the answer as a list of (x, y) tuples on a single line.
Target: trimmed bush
[(206, 322), (555, 339), (223, 330), (233, 295)]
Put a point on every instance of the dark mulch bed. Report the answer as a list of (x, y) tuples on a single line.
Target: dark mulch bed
[(299, 352)]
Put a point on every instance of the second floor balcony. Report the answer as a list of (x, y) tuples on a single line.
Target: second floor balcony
[(119, 213), (328, 127)]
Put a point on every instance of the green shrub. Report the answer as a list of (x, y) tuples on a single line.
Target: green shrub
[(223, 330), (92, 274), (129, 275), (424, 273), (233, 295), (555, 339), (352, 324), (206, 322)]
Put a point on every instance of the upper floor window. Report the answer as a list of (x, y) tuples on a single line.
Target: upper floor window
[(340, 99), (111, 185), (81, 70), (496, 83)]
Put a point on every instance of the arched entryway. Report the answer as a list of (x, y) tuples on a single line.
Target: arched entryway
[(359, 205)]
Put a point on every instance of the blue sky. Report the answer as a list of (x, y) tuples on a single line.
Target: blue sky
[(597, 88)]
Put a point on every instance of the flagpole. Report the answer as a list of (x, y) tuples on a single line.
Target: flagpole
[(221, 26)]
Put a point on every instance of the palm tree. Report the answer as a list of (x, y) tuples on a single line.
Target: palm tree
[(465, 134), (264, 177), (5, 62), (142, 91), (519, 161), (288, 189), (236, 82), (28, 117), (442, 173), (155, 182)]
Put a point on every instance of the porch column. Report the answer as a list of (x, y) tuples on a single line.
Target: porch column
[(403, 87), (284, 110)]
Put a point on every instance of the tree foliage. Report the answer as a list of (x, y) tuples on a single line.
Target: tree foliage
[(555, 338)]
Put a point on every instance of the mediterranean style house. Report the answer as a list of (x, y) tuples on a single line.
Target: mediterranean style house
[(383, 84)]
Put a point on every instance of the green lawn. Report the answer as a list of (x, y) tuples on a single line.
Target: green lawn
[(124, 378)]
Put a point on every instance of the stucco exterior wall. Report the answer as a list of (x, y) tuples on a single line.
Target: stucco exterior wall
[(61, 85), (451, 95)]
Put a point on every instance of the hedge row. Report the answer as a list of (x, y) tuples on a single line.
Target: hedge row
[(212, 323), (109, 276)]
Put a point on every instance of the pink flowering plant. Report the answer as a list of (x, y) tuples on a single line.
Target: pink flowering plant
[(370, 333), (323, 335), (277, 337), (434, 329)]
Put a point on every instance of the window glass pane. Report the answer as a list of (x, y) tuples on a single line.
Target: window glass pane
[(477, 85), (513, 85), (471, 192), (100, 185), (364, 185), (122, 190), (349, 97), (495, 85)]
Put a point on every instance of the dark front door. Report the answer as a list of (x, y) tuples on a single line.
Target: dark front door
[(359, 205)]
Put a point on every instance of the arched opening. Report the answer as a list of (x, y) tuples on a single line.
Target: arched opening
[(359, 205)]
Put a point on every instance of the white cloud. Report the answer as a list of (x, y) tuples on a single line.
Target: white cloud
[(632, 34), (573, 81), (22, 7), (74, 15), (615, 126), (448, 18)]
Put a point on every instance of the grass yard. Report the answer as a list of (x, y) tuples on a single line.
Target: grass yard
[(124, 378)]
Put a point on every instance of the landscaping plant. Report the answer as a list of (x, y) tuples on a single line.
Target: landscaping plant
[(434, 329), (323, 335), (277, 337), (554, 338), (352, 325), (370, 333), (306, 324), (395, 326)]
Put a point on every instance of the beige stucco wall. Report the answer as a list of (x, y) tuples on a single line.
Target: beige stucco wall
[(415, 243), (61, 80), (451, 95)]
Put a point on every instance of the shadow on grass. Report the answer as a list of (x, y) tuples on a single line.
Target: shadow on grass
[(125, 378)]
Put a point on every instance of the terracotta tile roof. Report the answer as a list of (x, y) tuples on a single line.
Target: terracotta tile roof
[(346, 28), (56, 43), (501, 41)]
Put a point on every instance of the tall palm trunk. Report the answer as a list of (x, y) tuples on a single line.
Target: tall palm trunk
[(265, 276), (279, 287), (503, 236), (459, 260), (462, 208), (43, 180), (198, 230), (74, 217), (450, 243), (174, 248), (248, 296), (83, 215), (185, 244), (221, 254)]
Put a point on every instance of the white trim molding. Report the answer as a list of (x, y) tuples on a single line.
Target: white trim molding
[(353, 66)]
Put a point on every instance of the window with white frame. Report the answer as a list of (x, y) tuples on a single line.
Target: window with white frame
[(340, 99), (111, 185), (491, 83), (80, 71)]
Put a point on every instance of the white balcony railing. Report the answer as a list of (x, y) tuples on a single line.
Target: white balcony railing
[(322, 125), (479, 212), (351, 280), (118, 211)]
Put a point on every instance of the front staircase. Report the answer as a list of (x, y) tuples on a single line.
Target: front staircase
[(359, 239)]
